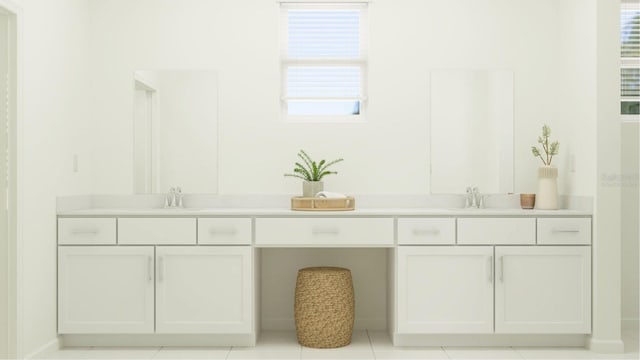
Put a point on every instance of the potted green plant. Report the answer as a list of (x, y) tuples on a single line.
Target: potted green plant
[(547, 195), (312, 173)]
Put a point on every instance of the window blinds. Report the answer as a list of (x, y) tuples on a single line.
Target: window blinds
[(630, 60), (323, 59)]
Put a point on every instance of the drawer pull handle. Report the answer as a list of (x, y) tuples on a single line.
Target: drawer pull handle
[(84, 232), (573, 231), (501, 268), (223, 231), (333, 232), (491, 269), (160, 269), (150, 268), (420, 232)]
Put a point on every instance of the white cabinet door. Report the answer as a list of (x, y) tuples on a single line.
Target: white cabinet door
[(543, 289), (445, 289), (204, 289), (105, 289)]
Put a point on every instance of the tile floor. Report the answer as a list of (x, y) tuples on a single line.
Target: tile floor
[(365, 345)]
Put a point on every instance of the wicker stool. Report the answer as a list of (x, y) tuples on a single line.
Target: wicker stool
[(324, 307)]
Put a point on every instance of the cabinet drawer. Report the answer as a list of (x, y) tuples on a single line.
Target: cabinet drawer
[(156, 231), (224, 231), (496, 231), (417, 231), (564, 231), (86, 231), (324, 231)]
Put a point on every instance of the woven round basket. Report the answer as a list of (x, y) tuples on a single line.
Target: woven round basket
[(324, 307)]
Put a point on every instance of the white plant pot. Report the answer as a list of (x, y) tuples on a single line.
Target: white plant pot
[(547, 195), (311, 188)]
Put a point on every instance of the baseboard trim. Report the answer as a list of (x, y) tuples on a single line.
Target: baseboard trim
[(44, 349), (159, 340), (573, 340), (606, 346)]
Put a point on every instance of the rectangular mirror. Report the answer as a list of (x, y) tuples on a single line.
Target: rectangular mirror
[(471, 131), (175, 131)]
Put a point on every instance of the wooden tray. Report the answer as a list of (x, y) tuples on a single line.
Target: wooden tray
[(322, 204)]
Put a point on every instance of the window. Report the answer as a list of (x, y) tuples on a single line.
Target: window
[(323, 61), (630, 61)]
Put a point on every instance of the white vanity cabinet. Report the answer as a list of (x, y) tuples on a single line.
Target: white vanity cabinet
[(543, 289), (203, 289), (445, 289), (154, 278), (105, 289), (493, 278), (530, 276)]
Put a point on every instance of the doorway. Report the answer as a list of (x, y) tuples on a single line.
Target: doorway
[(9, 136)]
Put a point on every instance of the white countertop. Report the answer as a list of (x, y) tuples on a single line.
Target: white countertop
[(278, 206)]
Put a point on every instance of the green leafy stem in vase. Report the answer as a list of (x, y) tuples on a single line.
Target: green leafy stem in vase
[(550, 150), (310, 170)]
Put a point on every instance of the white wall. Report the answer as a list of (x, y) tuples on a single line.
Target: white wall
[(57, 124), (630, 215), (538, 40), (389, 152)]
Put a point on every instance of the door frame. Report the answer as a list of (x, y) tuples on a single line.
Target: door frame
[(14, 256)]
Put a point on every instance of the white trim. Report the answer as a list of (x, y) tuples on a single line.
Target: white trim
[(319, 98), (135, 340), (51, 346), (324, 119), (483, 340), (15, 211), (606, 346)]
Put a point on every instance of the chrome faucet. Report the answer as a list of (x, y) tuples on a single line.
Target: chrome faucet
[(473, 198), (179, 197), (173, 198)]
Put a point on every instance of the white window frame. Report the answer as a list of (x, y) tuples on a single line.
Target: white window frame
[(362, 62), (628, 62)]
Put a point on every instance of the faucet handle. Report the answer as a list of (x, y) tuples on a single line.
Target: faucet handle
[(179, 196)]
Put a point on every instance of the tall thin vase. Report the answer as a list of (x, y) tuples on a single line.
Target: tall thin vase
[(547, 195)]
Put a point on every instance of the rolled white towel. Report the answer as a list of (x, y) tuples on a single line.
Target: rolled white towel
[(330, 195)]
